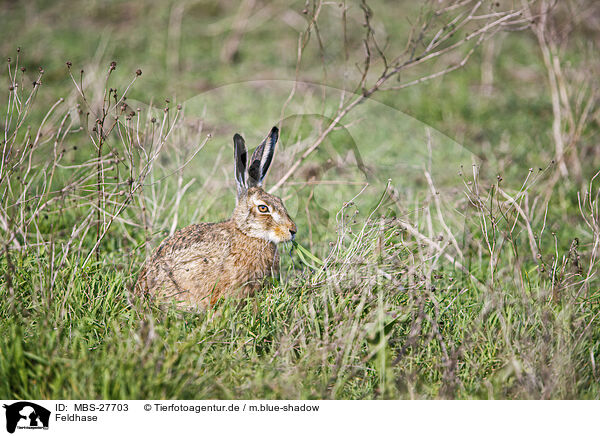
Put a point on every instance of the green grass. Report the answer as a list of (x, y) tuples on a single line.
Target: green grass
[(299, 339), (388, 315)]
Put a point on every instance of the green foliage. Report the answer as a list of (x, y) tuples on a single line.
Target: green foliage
[(400, 289)]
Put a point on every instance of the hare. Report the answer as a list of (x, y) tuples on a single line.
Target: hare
[(204, 262)]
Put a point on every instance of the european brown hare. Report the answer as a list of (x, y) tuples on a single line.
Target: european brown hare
[(204, 262)]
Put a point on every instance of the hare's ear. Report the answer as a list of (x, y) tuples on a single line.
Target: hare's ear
[(262, 158), (241, 157)]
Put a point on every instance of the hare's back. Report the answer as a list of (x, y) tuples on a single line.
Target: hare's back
[(191, 254), (206, 240), (188, 264)]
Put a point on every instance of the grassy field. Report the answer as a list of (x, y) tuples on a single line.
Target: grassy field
[(452, 223)]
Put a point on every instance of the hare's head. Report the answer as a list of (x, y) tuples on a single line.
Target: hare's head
[(259, 214)]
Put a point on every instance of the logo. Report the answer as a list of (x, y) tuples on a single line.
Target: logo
[(26, 415)]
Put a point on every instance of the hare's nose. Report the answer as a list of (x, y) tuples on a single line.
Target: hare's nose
[(293, 233)]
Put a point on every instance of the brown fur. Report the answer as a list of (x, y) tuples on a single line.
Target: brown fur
[(202, 263)]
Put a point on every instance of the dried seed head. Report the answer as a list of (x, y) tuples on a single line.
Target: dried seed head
[(138, 72), (113, 65), (69, 64)]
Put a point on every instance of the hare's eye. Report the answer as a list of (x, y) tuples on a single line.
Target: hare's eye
[(262, 208)]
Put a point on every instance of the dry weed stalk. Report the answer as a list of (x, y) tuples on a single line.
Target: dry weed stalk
[(443, 29), (574, 88), (51, 176)]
